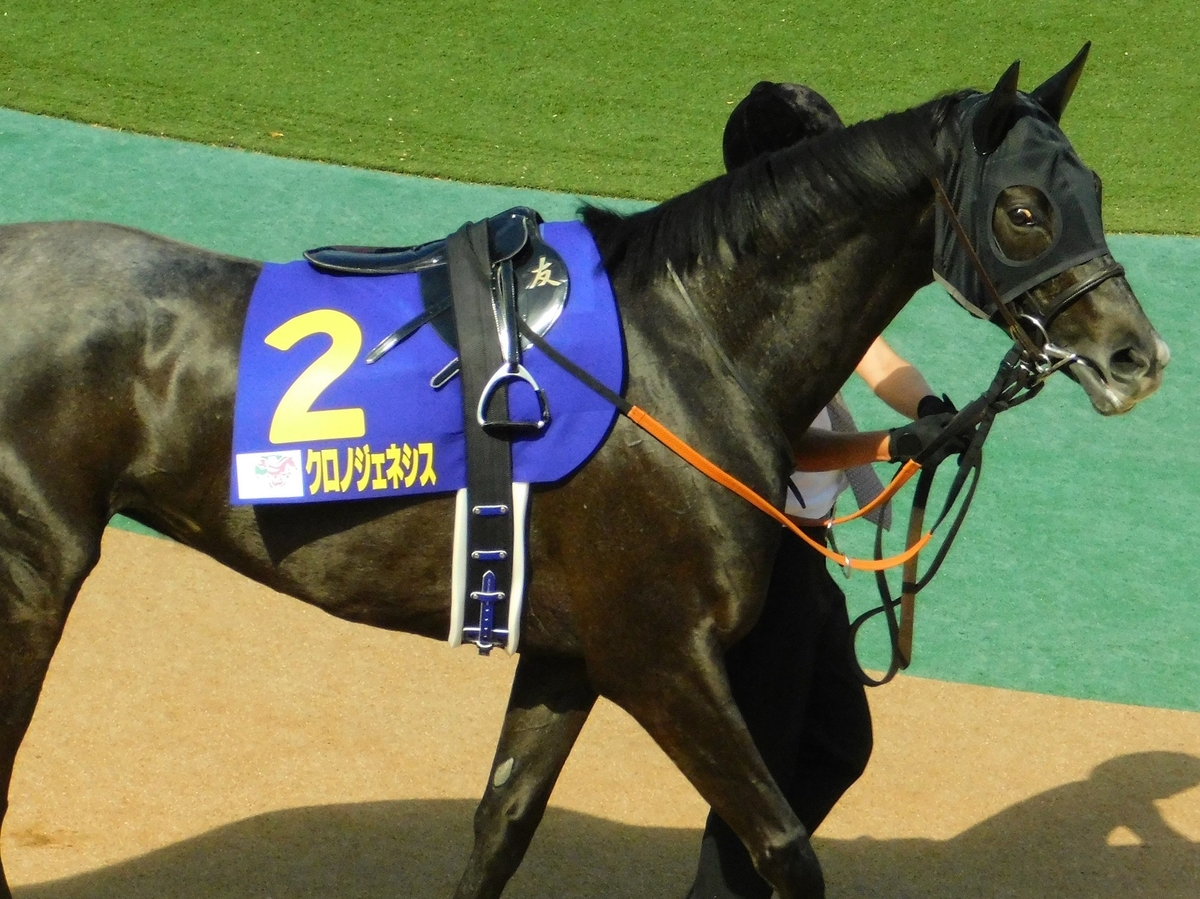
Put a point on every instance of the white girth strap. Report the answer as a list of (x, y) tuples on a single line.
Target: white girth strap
[(458, 572)]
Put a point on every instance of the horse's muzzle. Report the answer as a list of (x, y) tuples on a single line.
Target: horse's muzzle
[(1129, 375)]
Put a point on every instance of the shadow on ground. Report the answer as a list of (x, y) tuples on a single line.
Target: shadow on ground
[(1100, 838)]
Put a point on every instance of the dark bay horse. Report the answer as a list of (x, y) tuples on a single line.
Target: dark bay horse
[(120, 350)]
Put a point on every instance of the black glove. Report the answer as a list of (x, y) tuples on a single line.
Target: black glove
[(932, 405), (910, 440)]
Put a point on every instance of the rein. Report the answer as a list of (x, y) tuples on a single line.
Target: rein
[(1015, 382), (1021, 376)]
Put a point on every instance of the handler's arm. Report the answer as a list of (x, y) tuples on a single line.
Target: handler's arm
[(822, 450), (893, 379)]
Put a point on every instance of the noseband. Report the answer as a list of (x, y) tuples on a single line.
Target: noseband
[(1052, 357)]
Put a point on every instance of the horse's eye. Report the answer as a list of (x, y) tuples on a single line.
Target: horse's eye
[(1022, 217)]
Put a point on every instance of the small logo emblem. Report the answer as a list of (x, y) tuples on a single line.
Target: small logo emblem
[(541, 274), (272, 475)]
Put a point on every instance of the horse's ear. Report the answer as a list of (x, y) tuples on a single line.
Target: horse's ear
[(1056, 92), (994, 120)]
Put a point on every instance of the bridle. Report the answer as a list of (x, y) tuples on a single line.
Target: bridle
[(1023, 372), (1048, 357), (1042, 355)]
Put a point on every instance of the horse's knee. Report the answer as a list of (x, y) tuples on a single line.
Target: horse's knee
[(505, 821), (514, 802), (789, 863)]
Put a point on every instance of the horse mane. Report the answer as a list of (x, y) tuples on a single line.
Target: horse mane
[(861, 169)]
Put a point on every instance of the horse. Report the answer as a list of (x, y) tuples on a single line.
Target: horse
[(745, 304)]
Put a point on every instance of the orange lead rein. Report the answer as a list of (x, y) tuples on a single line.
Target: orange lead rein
[(660, 433), (909, 469)]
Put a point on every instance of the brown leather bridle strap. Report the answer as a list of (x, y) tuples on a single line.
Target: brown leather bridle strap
[(1014, 327)]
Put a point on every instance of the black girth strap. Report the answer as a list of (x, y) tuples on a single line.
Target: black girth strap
[(489, 514), (476, 287)]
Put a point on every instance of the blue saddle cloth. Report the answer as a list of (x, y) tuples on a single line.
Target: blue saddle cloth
[(314, 423)]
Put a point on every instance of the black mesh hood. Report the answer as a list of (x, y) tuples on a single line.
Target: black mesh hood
[(1034, 152)]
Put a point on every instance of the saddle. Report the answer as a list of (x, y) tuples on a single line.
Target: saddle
[(536, 274), (474, 285)]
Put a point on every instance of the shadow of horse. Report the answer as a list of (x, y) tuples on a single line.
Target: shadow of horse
[(1055, 844), (382, 850)]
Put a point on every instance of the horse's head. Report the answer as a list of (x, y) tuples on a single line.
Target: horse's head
[(1030, 209)]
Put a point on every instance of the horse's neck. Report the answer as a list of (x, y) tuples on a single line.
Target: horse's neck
[(796, 327)]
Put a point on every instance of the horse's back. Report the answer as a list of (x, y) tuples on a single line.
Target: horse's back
[(88, 294)]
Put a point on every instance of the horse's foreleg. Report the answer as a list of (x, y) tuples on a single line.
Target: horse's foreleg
[(549, 703), (688, 709)]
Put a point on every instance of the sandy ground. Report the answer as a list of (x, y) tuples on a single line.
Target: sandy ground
[(200, 736)]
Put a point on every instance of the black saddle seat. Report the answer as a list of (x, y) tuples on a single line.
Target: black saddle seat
[(539, 273), (508, 233)]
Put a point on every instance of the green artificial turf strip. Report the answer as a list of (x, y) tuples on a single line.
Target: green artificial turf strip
[(622, 98)]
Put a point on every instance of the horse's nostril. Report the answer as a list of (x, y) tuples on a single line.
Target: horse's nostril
[(1129, 364)]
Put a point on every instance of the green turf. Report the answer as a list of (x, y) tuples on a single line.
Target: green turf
[(622, 98), (235, 201), (1073, 575)]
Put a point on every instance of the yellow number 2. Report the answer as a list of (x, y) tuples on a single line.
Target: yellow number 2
[(295, 421)]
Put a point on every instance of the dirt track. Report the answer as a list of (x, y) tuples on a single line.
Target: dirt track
[(200, 736)]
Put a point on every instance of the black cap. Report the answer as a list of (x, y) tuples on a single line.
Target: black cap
[(773, 116)]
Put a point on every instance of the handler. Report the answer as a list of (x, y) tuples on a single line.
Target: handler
[(791, 675)]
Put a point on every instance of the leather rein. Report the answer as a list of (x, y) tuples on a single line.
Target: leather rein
[(1021, 376)]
